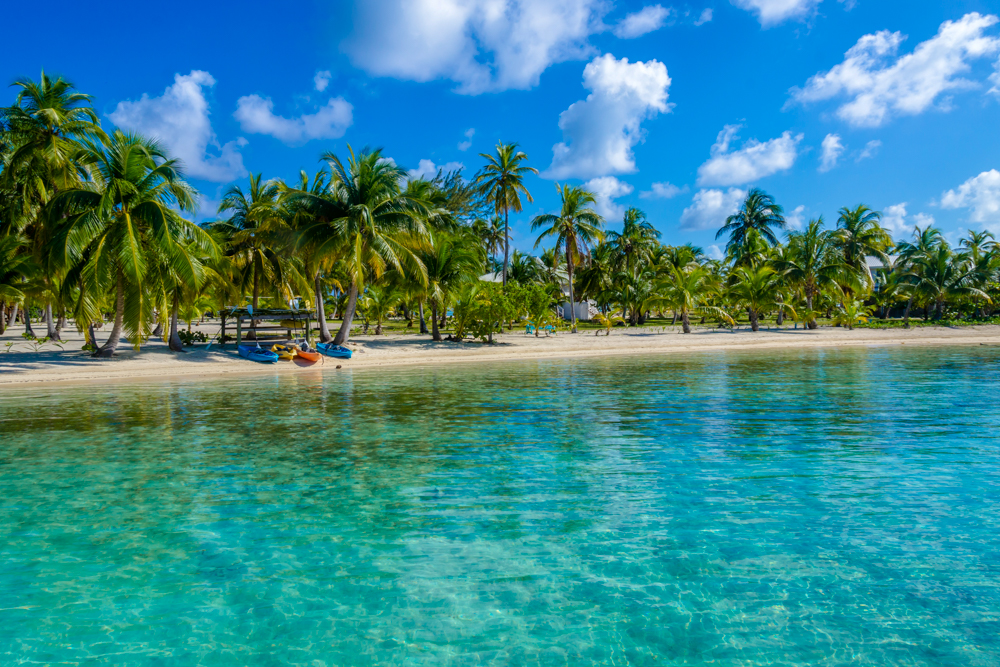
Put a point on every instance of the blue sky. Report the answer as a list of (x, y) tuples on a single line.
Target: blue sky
[(674, 108)]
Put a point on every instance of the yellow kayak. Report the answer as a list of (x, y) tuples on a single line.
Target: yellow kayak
[(283, 351)]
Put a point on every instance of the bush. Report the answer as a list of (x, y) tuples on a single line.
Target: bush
[(192, 337)]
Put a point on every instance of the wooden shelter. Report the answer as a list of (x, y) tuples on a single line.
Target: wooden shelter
[(280, 320)]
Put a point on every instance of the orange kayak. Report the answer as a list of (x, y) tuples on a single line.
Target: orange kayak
[(308, 356)]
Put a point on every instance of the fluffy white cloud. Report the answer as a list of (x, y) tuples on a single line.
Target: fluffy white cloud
[(710, 208), (662, 190), (715, 252), (427, 169), (795, 219), (465, 145), (601, 130), (606, 189), (482, 45), (771, 12), (894, 220), (179, 118), (980, 194), (322, 80), (705, 17), (754, 161), (646, 20), (869, 151), (832, 150), (880, 85), (256, 115)]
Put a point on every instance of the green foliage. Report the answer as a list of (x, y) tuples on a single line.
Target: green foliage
[(191, 337), (483, 311)]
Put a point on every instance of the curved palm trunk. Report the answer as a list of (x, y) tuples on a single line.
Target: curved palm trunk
[(572, 299), (506, 245), (174, 341), (108, 349), (754, 320), (158, 331), (906, 313), (436, 333), (13, 314), (3, 317), (91, 336), (811, 324), (938, 309), (352, 305), (685, 321), (423, 322), (324, 331), (252, 334)]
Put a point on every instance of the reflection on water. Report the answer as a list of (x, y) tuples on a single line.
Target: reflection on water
[(805, 508)]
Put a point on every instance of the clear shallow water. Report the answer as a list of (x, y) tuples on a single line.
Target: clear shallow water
[(807, 508)]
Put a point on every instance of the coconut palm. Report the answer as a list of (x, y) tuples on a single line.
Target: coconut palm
[(860, 235), (502, 182), (687, 290), (758, 290), (811, 262), (941, 276), (634, 245), (378, 303), (575, 229), (977, 244), (758, 214), (449, 261), (110, 228), (608, 321)]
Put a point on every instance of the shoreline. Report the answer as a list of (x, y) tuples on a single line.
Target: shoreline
[(47, 367)]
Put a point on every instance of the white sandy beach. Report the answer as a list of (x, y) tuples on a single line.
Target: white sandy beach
[(23, 365)]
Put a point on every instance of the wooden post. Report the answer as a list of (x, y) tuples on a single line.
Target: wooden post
[(222, 336), (309, 342), (239, 329)]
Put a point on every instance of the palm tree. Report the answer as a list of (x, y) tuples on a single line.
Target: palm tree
[(502, 182), (368, 222), (687, 290), (977, 244), (110, 227), (256, 236), (575, 229), (860, 235), (758, 213), (758, 290), (378, 302), (925, 241), (449, 261), (810, 262), (15, 267), (635, 244), (941, 276)]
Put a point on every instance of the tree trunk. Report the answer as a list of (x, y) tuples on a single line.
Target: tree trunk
[(572, 298), (109, 348), (252, 334), (60, 323), (423, 322), (685, 322), (13, 314), (174, 341), (506, 245), (91, 336), (781, 317), (50, 325), (345, 327), (324, 331), (158, 331), (26, 316), (906, 313), (673, 322), (938, 309), (754, 320), (436, 334), (3, 317), (811, 324)]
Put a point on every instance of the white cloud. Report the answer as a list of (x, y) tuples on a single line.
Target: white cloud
[(832, 149), (322, 80), (894, 220), (923, 220), (646, 20), (705, 17), (795, 220), (256, 115), (465, 145), (601, 130), (771, 12), (880, 88), (754, 161), (482, 45), (428, 170), (180, 119), (869, 151), (980, 194), (710, 208), (662, 190), (606, 189), (715, 252)]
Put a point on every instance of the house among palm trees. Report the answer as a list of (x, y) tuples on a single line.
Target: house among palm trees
[(879, 269)]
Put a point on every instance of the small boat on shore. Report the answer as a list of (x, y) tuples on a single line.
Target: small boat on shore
[(285, 352), (308, 355), (257, 353), (336, 351)]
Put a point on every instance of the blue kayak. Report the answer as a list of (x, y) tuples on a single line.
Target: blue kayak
[(331, 350), (257, 353)]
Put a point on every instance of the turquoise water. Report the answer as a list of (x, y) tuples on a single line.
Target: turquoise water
[(803, 508)]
